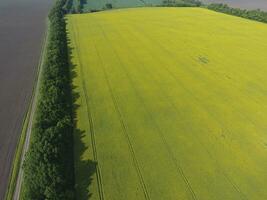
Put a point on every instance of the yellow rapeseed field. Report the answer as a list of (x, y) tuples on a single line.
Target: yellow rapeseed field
[(171, 104)]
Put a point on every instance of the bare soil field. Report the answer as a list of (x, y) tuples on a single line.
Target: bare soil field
[(22, 27), (246, 4)]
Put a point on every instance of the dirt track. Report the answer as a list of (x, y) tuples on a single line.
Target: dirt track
[(247, 4), (22, 24)]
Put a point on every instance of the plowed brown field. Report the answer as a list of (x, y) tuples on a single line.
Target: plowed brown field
[(22, 27)]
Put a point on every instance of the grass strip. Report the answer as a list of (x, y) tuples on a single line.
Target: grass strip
[(17, 159)]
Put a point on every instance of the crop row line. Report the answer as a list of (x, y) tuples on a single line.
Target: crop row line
[(160, 133), (189, 92), (91, 124), (124, 127)]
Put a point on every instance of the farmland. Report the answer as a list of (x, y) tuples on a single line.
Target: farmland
[(22, 26), (170, 103)]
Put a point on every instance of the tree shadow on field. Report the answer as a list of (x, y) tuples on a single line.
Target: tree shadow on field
[(84, 170)]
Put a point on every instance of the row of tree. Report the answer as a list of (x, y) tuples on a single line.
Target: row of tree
[(48, 166), (68, 7), (257, 15), (77, 6), (181, 3)]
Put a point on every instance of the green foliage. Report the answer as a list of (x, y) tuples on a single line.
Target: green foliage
[(17, 161), (181, 3), (48, 166), (108, 6), (68, 5), (257, 15), (79, 6)]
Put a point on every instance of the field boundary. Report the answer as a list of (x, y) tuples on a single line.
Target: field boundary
[(15, 182), (17, 158)]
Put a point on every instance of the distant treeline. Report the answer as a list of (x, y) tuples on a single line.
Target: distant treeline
[(181, 3), (257, 15), (48, 166), (68, 5), (76, 6)]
